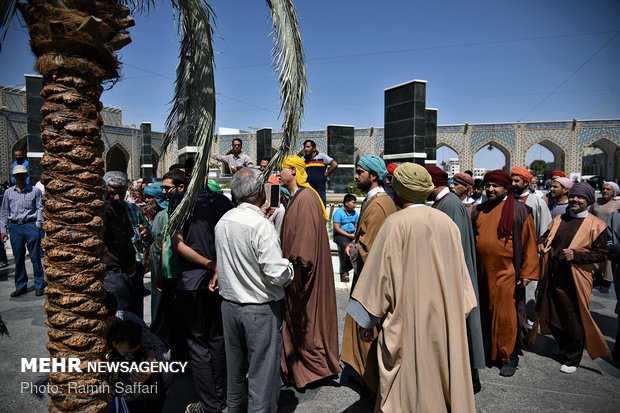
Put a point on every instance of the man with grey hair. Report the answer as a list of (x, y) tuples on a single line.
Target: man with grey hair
[(251, 274), (117, 183)]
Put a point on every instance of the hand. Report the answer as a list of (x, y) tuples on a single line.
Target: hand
[(352, 236), (347, 250), (233, 169), (523, 282), (541, 247), (138, 377), (145, 233), (213, 286), (366, 334), (159, 281), (4, 237), (567, 254)]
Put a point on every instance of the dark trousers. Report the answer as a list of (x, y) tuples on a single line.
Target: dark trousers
[(252, 333), (342, 242), (200, 322), (137, 291), (571, 347), (22, 237), (3, 257), (163, 320), (119, 285)]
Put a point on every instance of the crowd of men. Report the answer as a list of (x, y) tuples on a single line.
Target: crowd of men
[(446, 279)]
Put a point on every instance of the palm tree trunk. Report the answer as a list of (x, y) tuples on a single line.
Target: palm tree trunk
[(74, 42)]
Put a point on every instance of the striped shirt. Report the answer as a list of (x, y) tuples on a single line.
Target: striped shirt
[(21, 206)]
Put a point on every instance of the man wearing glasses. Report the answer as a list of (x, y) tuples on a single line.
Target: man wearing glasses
[(237, 159)]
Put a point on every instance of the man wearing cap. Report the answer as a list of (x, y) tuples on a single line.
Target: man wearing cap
[(507, 260), (613, 244), (574, 241), (310, 323), (448, 203), (370, 174), (559, 195), (21, 161), (554, 175), (602, 209), (22, 217), (420, 295), (391, 167), (462, 186)]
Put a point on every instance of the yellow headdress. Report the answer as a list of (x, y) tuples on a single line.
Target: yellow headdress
[(301, 176)]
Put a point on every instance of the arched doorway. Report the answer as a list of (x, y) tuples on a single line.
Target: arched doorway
[(447, 159), (601, 158), (550, 153), (116, 159), (489, 157)]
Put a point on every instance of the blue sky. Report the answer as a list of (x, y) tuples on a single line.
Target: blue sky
[(485, 61)]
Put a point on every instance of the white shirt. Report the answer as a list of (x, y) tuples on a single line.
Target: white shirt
[(443, 193), (250, 266), (373, 192)]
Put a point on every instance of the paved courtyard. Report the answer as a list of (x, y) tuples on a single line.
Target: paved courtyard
[(538, 385)]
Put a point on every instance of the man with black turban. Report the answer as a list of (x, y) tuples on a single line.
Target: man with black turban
[(507, 260), (575, 240)]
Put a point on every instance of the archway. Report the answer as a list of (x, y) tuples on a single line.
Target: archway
[(116, 159), (489, 157), (550, 152), (20, 145), (447, 159), (601, 158)]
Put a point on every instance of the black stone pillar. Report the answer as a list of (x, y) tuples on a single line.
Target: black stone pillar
[(405, 122), (431, 136), (146, 168), (340, 146), (187, 148), (263, 144), (34, 103)]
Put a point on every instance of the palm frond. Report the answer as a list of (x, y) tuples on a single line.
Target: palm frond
[(140, 5), (289, 61), (7, 11), (194, 97)]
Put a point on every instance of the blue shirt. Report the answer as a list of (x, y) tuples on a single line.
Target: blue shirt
[(347, 220), (20, 206)]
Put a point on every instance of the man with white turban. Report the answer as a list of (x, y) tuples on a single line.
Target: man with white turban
[(420, 296), (602, 208)]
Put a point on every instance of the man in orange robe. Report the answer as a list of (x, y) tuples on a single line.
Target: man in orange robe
[(507, 260)]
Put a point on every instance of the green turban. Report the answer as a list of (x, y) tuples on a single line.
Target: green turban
[(412, 182)]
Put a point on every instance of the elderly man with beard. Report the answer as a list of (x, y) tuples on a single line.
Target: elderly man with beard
[(370, 174), (602, 209), (574, 241), (421, 296), (507, 260), (448, 203), (309, 312), (462, 186)]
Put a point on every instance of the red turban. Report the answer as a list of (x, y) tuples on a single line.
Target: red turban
[(523, 173), (558, 173), (500, 177), (464, 179), (391, 168), (506, 222), (438, 175)]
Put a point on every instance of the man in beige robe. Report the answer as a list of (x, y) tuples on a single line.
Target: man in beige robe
[(420, 295), (370, 173)]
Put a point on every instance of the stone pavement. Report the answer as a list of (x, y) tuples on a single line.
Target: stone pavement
[(538, 385)]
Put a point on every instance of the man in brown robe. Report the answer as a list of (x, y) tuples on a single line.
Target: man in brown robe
[(420, 295), (507, 260), (574, 241), (309, 312), (370, 173)]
